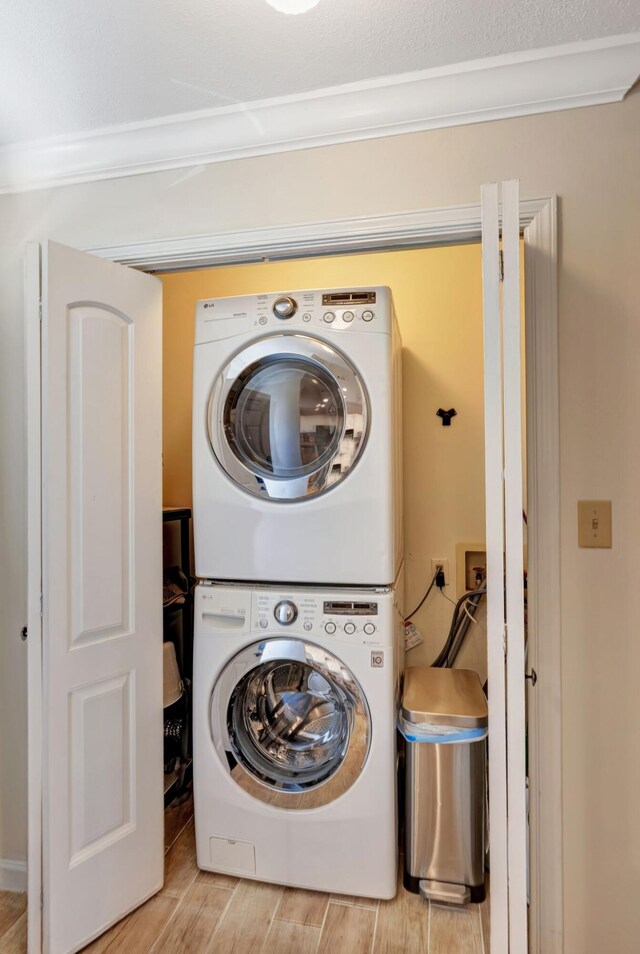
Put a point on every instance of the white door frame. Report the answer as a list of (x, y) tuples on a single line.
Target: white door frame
[(454, 225), (32, 273)]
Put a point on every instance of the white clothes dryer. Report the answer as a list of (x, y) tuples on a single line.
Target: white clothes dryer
[(297, 438), (294, 735)]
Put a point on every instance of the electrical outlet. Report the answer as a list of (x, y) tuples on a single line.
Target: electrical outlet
[(440, 562)]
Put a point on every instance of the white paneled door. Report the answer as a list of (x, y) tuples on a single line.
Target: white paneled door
[(95, 472), (505, 565)]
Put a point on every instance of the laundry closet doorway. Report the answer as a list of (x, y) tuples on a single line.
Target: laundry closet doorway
[(538, 218)]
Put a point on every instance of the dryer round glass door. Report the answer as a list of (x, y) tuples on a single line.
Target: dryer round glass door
[(292, 721), (288, 417)]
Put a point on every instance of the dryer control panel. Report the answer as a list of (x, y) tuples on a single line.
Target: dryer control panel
[(364, 310)]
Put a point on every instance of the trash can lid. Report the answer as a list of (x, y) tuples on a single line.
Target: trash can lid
[(444, 697)]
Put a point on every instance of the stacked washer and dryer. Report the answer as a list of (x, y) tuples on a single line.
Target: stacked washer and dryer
[(299, 636)]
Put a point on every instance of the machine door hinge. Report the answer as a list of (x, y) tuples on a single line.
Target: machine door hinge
[(501, 266), (41, 605), (505, 640), (40, 309)]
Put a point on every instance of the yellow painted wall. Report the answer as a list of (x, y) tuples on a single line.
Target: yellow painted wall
[(438, 297)]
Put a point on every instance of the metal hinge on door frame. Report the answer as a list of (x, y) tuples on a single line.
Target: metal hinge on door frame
[(501, 260)]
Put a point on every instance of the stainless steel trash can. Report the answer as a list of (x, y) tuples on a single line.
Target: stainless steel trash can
[(444, 721)]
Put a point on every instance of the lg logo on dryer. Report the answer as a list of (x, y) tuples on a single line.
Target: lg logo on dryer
[(209, 304), (377, 659)]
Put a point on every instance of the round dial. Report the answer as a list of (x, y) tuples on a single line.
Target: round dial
[(286, 612), (349, 629), (285, 307)]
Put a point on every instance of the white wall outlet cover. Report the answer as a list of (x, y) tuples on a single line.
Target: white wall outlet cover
[(440, 562)]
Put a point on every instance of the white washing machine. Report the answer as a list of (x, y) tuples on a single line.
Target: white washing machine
[(297, 438), (294, 735)]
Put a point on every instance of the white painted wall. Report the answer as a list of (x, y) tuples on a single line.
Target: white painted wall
[(590, 158)]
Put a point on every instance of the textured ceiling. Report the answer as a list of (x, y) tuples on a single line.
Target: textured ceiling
[(68, 66)]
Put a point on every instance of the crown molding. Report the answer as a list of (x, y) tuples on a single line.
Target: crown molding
[(519, 84)]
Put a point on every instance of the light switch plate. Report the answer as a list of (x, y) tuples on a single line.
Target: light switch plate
[(594, 523)]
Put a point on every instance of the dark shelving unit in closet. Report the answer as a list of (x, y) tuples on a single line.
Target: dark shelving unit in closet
[(177, 650)]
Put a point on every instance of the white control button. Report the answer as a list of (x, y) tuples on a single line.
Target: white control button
[(369, 629), (264, 623), (347, 316), (367, 315), (349, 629), (262, 320), (329, 316), (330, 628), (307, 626), (306, 316)]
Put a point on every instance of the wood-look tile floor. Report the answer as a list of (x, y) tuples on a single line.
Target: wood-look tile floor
[(204, 913)]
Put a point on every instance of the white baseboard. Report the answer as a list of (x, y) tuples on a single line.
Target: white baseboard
[(13, 875)]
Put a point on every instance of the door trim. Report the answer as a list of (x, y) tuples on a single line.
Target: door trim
[(32, 338), (441, 226)]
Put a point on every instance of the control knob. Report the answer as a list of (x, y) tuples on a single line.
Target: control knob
[(349, 629), (285, 307), (285, 612)]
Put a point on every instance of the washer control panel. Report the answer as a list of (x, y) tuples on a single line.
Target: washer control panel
[(348, 620)]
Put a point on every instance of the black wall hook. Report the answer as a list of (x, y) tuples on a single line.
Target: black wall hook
[(446, 415)]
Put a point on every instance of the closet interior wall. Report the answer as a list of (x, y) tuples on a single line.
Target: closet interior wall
[(438, 298)]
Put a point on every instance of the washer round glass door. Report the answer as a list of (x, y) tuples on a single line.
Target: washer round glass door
[(293, 723), (288, 417)]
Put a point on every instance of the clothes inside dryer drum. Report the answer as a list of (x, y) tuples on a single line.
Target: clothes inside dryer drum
[(289, 724)]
